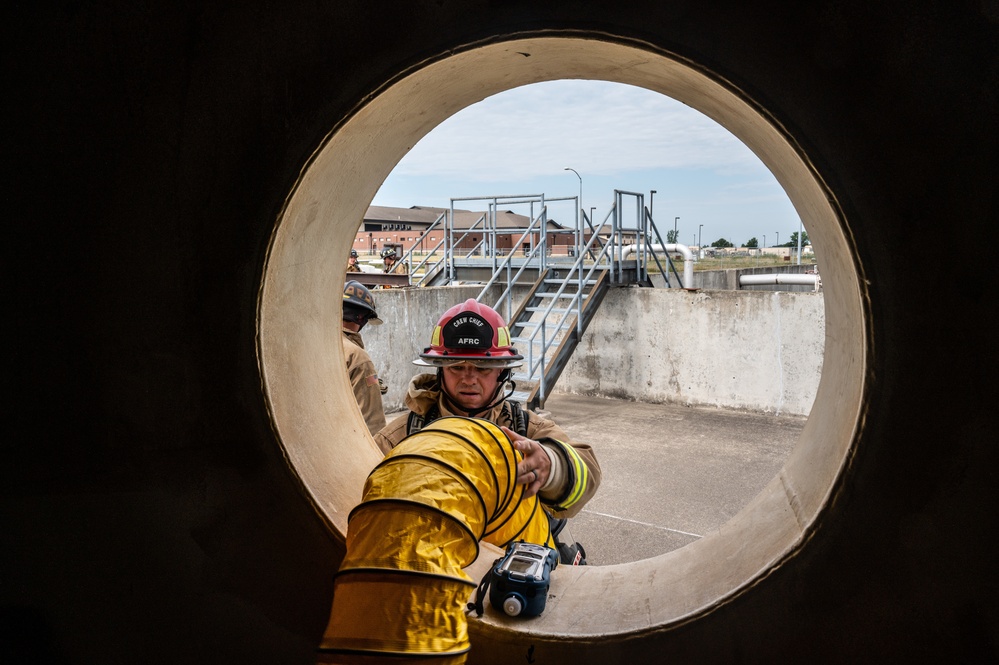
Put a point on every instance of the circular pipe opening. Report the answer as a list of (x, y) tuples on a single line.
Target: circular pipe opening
[(301, 356)]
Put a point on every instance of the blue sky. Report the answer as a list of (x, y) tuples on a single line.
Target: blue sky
[(617, 137)]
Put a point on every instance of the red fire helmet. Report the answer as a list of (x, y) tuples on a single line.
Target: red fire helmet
[(470, 332)]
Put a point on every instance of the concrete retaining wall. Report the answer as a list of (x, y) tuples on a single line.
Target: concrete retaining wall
[(734, 349)]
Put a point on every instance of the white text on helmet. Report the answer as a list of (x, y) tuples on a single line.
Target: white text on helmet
[(468, 319)]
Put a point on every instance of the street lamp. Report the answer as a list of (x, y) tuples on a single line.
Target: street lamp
[(652, 200), (799, 241), (580, 185), (676, 236), (699, 227), (592, 209), (777, 242)]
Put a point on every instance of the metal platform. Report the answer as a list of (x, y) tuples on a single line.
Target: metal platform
[(372, 279)]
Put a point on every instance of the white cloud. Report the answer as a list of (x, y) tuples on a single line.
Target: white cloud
[(617, 137), (600, 128)]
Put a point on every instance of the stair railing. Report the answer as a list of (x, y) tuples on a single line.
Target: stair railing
[(670, 266), (428, 267), (537, 367), (539, 251)]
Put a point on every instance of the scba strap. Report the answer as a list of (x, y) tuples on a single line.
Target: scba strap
[(518, 418), (416, 422)]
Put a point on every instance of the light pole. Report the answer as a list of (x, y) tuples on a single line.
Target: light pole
[(764, 241), (777, 242), (592, 208), (676, 236), (652, 200), (580, 185), (799, 241), (699, 227)]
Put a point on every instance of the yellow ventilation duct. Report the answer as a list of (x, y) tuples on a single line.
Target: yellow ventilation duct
[(401, 592)]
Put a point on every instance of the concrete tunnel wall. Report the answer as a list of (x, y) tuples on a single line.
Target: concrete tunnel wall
[(315, 418), (149, 512)]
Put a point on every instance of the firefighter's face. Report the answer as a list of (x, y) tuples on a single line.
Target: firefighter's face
[(469, 386)]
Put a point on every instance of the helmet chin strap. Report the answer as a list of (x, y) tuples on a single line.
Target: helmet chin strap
[(359, 319), (472, 413)]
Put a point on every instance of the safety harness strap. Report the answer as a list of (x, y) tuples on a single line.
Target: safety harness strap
[(518, 418), (416, 422)]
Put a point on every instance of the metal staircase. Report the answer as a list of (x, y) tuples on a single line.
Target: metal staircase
[(564, 288), (549, 324), (550, 320)]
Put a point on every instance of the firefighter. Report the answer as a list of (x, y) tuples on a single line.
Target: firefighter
[(359, 310), (471, 351), (391, 260), (352, 262)]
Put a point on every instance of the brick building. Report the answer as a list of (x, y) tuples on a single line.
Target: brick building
[(406, 227)]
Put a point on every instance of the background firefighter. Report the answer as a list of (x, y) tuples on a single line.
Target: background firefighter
[(358, 310)]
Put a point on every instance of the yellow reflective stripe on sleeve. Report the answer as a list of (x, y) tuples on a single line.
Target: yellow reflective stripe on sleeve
[(581, 475)]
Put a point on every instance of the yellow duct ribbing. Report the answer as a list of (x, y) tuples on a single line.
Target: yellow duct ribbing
[(401, 590)]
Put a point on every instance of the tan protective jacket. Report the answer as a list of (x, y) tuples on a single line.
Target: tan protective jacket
[(399, 268), (580, 482), (364, 380)]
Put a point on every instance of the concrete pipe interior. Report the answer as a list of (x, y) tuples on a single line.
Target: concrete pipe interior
[(312, 406)]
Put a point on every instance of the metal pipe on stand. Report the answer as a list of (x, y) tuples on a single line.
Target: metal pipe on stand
[(688, 257), (781, 278)]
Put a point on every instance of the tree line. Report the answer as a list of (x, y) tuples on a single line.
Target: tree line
[(752, 243)]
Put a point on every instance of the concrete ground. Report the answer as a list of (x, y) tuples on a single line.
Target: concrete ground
[(671, 474)]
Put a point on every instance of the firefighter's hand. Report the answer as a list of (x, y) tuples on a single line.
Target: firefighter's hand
[(533, 470)]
